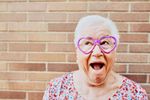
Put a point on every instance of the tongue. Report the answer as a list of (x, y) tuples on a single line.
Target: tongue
[(96, 66)]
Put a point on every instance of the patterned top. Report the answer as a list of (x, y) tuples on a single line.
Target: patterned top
[(63, 88)]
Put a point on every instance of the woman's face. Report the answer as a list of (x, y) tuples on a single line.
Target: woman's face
[(95, 65)]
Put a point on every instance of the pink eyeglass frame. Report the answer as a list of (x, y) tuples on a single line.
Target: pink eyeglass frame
[(96, 42)]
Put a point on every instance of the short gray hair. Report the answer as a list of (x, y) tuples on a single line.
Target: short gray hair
[(92, 20)]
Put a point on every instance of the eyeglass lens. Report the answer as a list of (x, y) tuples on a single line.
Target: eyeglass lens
[(106, 44)]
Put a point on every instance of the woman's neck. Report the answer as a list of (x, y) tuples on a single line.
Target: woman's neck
[(84, 88)]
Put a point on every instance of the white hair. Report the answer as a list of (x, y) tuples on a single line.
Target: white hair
[(97, 20)]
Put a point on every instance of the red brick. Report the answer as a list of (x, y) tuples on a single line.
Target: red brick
[(3, 46), (27, 67), (122, 47), (129, 0), (103, 6), (148, 96), (12, 76), (70, 37), (3, 66), (148, 38), (122, 26), (149, 58), (147, 88), (26, 7), (27, 27), (71, 58), (12, 36), (142, 7), (12, 0), (132, 58), (27, 86), (12, 56), (43, 76), (47, 17), (87, 0), (140, 48), (141, 68), (143, 27), (61, 27), (120, 68), (67, 6), (149, 78), (3, 7), (12, 17), (135, 38), (52, 57), (137, 78), (35, 95), (62, 67), (47, 37), (23, 47), (3, 27), (129, 17), (12, 95), (4, 85), (65, 47), (46, 0)]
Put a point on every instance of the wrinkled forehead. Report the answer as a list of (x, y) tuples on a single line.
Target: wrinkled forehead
[(94, 31)]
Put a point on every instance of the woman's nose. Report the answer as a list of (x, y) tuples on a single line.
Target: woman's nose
[(97, 51)]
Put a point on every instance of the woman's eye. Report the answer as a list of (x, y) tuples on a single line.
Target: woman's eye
[(88, 43), (104, 42)]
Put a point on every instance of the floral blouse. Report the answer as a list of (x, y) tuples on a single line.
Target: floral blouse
[(63, 88)]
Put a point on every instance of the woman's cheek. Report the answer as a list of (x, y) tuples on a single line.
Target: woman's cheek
[(82, 61), (111, 59)]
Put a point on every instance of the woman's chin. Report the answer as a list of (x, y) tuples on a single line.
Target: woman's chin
[(97, 80), (96, 77), (96, 83)]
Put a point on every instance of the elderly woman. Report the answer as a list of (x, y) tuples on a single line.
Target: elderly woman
[(96, 41)]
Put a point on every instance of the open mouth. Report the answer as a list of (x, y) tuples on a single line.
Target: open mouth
[(97, 66)]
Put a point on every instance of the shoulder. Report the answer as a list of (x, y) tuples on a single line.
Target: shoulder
[(60, 80), (134, 89), (55, 86), (132, 85)]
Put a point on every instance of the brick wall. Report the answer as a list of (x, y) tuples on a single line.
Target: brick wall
[(36, 41)]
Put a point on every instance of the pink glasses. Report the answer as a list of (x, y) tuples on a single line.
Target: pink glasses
[(106, 44)]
